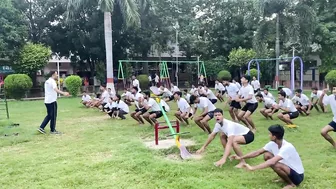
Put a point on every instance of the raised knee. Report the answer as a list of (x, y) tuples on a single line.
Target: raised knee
[(245, 116), (267, 156), (280, 116), (323, 132)]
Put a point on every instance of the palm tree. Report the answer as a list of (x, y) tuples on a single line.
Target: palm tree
[(129, 12), (294, 21)]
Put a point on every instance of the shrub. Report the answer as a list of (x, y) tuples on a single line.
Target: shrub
[(253, 73), (143, 80), (331, 78), (224, 75), (73, 84), (16, 85)]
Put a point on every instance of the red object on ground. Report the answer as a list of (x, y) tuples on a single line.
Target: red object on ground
[(158, 127)]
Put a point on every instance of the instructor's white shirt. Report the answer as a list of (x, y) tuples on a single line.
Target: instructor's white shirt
[(50, 95)]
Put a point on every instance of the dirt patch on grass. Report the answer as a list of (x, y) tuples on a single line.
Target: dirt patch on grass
[(166, 144), (177, 157)]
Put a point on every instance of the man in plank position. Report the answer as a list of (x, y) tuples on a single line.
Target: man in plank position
[(280, 155), (232, 135)]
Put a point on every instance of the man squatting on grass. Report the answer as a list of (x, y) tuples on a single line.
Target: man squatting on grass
[(50, 101), (232, 135), (280, 155), (329, 100)]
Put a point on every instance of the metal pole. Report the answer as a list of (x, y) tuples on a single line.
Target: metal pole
[(198, 68), (177, 54), (277, 51), (293, 52), (58, 72)]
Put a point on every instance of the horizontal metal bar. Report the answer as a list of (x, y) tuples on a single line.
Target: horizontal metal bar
[(153, 61)]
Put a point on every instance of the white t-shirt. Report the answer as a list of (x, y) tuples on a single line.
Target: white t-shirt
[(136, 83), (211, 95), (149, 78), (317, 95), (105, 96), (245, 92), (123, 106), (174, 89), (205, 102), (193, 91), (165, 105), (255, 84), (230, 128), (219, 87), (183, 105), (288, 104), (157, 78), (288, 92), (287, 151), (111, 105), (304, 100), (330, 100), (238, 85), (136, 98), (86, 98), (127, 94), (166, 92), (50, 95), (269, 95), (269, 102), (154, 106), (232, 90), (201, 91)]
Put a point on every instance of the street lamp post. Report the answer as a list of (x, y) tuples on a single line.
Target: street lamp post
[(177, 27)]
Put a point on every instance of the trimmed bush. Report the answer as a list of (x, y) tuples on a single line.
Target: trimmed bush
[(143, 80), (17, 85), (73, 84), (253, 73), (331, 78), (224, 75)]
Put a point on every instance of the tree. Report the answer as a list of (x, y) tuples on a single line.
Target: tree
[(239, 58), (128, 9), (294, 21), (33, 57), (12, 30)]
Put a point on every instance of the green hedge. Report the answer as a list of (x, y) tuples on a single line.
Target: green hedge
[(224, 75), (73, 84), (254, 73), (331, 78), (143, 80), (17, 85)]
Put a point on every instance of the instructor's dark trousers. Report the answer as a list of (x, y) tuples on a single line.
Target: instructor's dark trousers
[(51, 116)]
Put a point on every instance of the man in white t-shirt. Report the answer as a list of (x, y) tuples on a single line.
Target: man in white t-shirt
[(255, 84), (303, 103), (207, 114), (184, 111), (121, 107), (270, 106), (139, 100), (279, 155), (288, 108), (104, 98), (127, 95), (329, 100), (246, 94), (211, 96), (174, 88), (136, 83), (166, 93), (194, 90), (86, 99), (267, 94), (315, 99), (201, 91), (232, 135), (287, 91), (232, 91), (50, 101), (220, 90), (153, 107), (157, 79), (186, 95), (236, 83)]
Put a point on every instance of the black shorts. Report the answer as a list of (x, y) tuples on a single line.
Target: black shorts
[(213, 101), (251, 107), (211, 114), (249, 137), (158, 114), (190, 114), (292, 115), (276, 110), (256, 91), (235, 104), (333, 125), (171, 97), (295, 177), (142, 110), (103, 104), (222, 92)]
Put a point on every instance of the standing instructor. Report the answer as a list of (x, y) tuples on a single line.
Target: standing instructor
[(50, 101)]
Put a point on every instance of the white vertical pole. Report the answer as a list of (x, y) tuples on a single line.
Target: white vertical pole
[(58, 72), (198, 68), (177, 54)]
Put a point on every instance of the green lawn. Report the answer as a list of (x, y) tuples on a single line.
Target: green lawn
[(95, 152)]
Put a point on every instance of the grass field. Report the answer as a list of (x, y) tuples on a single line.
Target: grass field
[(96, 152)]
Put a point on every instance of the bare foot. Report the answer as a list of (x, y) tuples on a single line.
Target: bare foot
[(254, 131), (240, 165), (289, 186)]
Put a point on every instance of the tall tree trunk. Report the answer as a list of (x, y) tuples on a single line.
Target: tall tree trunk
[(277, 50), (109, 50)]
